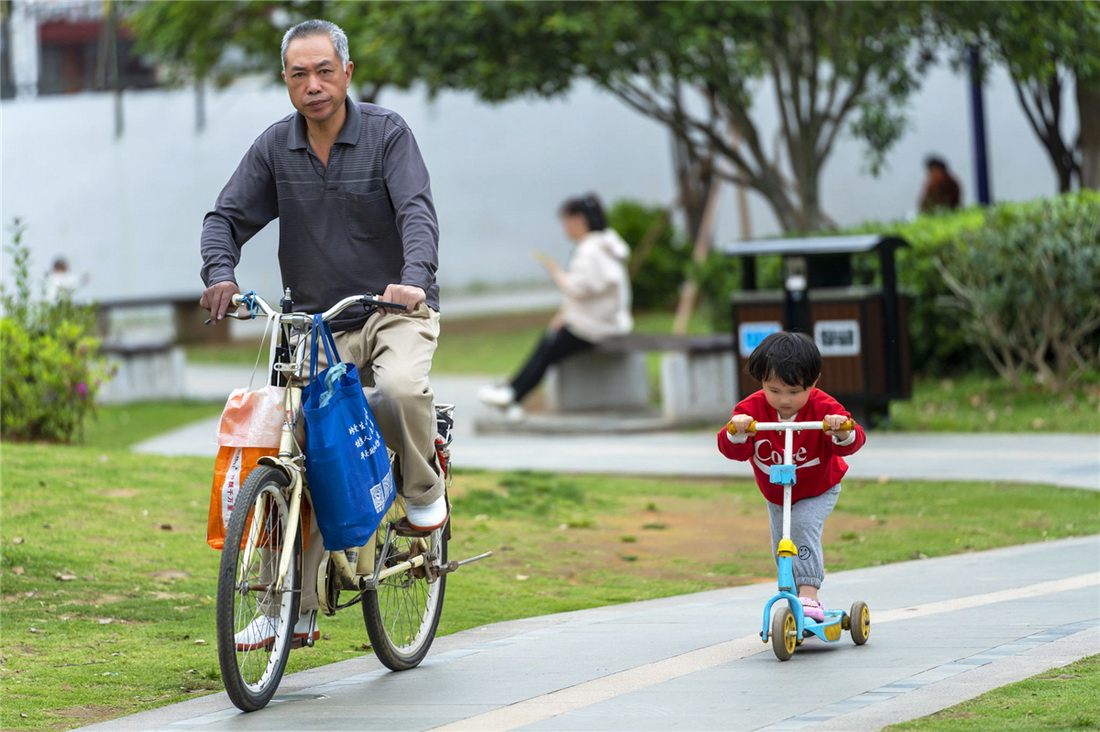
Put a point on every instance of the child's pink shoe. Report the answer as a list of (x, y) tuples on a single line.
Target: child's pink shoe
[(812, 609)]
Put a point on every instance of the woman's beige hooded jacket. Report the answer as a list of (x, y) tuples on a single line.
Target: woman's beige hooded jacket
[(597, 288)]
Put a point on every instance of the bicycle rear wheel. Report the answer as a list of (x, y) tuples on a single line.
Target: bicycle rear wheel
[(248, 603), (403, 613)]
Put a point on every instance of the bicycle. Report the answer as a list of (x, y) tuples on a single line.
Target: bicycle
[(789, 625), (399, 577)]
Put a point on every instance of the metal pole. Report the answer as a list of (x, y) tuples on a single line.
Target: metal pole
[(977, 116)]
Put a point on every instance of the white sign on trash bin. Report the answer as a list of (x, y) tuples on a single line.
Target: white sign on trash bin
[(749, 335), (837, 337)]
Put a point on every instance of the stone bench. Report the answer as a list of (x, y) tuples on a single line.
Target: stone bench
[(148, 372), (698, 380)]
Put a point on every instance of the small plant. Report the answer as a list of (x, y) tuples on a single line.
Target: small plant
[(50, 355)]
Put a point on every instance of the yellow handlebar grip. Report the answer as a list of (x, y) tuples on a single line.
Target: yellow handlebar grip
[(846, 427), (733, 430)]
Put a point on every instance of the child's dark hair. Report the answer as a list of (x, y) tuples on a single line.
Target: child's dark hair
[(792, 358), (589, 207)]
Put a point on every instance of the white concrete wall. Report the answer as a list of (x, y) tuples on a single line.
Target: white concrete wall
[(129, 211)]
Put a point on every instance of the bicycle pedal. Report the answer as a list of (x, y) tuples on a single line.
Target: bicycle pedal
[(302, 641), (403, 528)]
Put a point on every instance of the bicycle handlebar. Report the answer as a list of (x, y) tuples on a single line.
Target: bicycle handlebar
[(367, 301)]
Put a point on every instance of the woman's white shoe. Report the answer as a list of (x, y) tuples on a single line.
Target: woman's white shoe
[(497, 395)]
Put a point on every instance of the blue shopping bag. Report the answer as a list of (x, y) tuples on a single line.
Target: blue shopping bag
[(347, 468)]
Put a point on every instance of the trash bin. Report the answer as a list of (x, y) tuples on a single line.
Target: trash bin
[(861, 330)]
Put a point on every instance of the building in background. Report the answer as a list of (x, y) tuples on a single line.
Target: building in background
[(125, 202), (55, 47)]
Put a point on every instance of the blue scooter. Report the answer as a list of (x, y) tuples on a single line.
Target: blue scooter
[(790, 625)]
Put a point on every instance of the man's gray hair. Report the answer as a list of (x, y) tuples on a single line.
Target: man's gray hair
[(318, 28)]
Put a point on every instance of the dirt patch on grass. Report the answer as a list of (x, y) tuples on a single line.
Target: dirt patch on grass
[(85, 715), (119, 493), (686, 538)]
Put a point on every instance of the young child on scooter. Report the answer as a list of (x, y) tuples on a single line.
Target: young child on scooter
[(788, 366)]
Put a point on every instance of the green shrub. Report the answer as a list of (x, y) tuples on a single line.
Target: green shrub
[(939, 345), (658, 269), (942, 343), (1026, 287), (52, 367), (716, 279)]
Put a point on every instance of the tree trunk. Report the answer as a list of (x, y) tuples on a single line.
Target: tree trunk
[(7, 78), (694, 179), (704, 240), (1088, 110)]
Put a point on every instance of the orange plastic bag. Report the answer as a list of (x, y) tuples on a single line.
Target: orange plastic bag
[(252, 418), (231, 468)]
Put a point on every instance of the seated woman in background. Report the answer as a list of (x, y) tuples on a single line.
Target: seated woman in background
[(596, 286)]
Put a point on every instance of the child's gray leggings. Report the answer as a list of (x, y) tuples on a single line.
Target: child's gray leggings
[(807, 521)]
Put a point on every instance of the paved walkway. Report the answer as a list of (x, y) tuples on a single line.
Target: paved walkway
[(943, 630)]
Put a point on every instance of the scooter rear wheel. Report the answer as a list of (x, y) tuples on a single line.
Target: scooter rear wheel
[(784, 633), (861, 622)]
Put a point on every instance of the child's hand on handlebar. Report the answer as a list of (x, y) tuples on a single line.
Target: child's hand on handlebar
[(739, 424), (836, 422)]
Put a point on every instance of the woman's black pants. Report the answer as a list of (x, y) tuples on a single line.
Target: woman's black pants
[(553, 347)]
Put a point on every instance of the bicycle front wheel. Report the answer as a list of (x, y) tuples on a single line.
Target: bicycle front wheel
[(255, 618), (403, 613)]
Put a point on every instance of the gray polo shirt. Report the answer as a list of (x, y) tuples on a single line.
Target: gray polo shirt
[(364, 222)]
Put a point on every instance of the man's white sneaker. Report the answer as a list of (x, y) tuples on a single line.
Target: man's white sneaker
[(259, 633), (497, 395), (427, 518)]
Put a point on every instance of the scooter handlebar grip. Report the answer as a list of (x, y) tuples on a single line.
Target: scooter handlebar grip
[(733, 430), (846, 427)]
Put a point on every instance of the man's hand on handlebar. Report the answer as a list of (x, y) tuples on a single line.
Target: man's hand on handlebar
[(218, 298), (408, 295)]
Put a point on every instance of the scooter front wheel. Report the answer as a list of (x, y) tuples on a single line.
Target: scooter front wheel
[(784, 633)]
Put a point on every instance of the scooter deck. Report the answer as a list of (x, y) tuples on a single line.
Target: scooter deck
[(828, 631)]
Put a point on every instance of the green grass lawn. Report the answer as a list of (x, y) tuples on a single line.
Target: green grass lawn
[(493, 345), (979, 403), (122, 425), (108, 584), (1065, 698)]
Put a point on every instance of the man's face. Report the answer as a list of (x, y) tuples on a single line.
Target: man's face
[(314, 78)]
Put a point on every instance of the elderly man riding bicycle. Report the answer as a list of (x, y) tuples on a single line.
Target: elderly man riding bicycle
[(347, 182)]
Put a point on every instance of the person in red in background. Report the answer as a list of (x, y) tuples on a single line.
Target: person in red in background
[(941, 189), (788, 365)]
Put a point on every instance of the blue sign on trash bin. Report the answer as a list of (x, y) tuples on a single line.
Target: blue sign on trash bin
[(749, 335)]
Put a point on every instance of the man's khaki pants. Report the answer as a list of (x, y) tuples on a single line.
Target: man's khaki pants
[(393, 353)]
